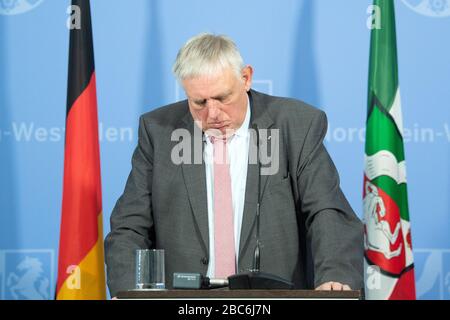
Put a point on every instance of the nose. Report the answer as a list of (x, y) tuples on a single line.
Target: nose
[(213, 110)]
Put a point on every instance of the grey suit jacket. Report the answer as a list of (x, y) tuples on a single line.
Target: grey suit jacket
[(309, 233)]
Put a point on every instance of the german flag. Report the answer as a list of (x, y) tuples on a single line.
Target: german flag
[(81, 273)]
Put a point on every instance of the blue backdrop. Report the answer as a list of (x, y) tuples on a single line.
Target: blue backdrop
[(315, 50)]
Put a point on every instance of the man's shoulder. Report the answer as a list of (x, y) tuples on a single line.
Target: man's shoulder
[(285, 108), (169, 114)]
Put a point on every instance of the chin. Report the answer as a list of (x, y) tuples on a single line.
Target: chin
[(217, 132)]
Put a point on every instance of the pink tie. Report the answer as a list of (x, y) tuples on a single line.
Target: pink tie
[(225, 259)]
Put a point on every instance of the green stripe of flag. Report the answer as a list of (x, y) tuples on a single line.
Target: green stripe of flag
[(382, 134), (383, 57)]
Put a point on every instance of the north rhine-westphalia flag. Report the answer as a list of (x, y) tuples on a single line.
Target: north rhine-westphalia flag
[(389, 269), (81, 272)]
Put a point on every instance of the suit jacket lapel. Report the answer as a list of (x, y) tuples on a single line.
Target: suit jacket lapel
[(260, 117), (195, 181)]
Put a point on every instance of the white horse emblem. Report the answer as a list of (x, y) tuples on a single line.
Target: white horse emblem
[(30, 283), (379, 237)]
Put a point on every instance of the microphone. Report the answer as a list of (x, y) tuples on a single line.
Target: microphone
[(196, 281), (255, 279)]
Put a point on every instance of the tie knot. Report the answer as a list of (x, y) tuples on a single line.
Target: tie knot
[(222, 140)]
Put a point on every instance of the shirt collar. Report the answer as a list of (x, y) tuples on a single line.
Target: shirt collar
[(243, 130)]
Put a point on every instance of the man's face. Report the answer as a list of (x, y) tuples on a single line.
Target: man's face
[(219, 102)]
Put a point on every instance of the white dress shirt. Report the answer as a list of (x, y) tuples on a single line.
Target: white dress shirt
[(237, 149)]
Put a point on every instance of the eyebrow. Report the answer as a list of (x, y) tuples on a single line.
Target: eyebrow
[(218, 97), (222, 96)]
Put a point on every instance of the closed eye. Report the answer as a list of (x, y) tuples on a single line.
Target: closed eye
[(222, 97), (200, 102)]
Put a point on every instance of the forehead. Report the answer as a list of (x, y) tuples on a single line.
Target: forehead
[(208, 86)]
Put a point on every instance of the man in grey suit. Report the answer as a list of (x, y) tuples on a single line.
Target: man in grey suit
[(309, 234)]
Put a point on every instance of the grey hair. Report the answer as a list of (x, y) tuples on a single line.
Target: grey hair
[(207, 54)]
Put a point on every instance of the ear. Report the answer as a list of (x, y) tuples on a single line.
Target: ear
[(247, 76)]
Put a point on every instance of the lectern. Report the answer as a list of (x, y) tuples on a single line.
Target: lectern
[(240, 294)]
